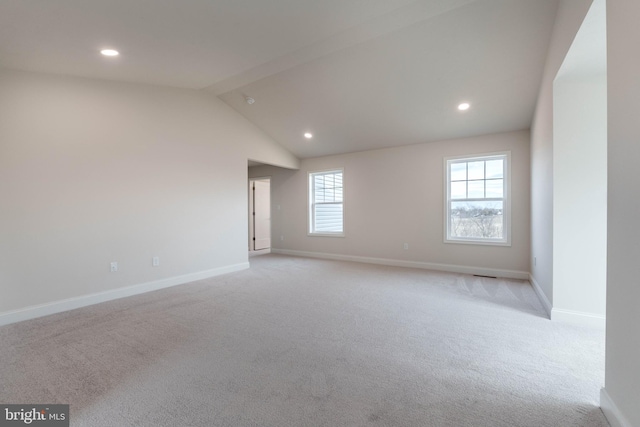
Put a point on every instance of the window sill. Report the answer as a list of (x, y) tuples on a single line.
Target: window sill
[(478, 242), (325, 234)]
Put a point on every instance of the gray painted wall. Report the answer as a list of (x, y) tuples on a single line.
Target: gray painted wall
[(94, 171), (622, 381)]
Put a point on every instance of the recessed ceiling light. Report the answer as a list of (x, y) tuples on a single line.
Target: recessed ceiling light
[(249, 100), (308, 135), (464, 106), (109, 52)]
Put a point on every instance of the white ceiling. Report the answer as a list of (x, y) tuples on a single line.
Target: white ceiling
[(358, 74), (185, 43)]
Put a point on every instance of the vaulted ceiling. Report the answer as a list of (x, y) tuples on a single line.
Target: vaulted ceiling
[(357, 74)]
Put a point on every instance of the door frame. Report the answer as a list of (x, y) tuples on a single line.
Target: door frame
[(251, 222)]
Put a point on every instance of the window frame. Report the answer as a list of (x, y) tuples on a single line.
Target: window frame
[(506, 199), (310, 203)]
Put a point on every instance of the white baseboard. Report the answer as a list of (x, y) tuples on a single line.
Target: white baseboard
[(541, 295), (611, 411), (509, 274), (40, 310), (569, 316), (260, 252), (578, 317)]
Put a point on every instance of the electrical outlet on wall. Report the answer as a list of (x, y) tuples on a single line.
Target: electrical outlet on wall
[(155, 261), (281, 238), (113, 267), (535, 261), (406, 246)]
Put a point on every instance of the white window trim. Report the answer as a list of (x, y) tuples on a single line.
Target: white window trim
[(506, 240), (310, 204)]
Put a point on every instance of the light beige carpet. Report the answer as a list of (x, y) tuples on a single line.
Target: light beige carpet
[(303, 342)]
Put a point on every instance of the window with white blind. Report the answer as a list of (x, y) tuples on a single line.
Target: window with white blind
[(477, 199), (326, 204)]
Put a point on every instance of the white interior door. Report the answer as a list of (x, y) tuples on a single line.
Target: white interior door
[(261, 214)]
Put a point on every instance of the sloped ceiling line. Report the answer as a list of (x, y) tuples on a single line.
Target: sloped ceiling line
[(393, 21)]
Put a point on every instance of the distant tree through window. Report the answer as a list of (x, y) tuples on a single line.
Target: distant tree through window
[(477, 203)]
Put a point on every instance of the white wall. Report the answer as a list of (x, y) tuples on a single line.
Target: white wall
[(93, 172), (568, 19), (580, 198), (395, 195), (580, 175), (622, 379)]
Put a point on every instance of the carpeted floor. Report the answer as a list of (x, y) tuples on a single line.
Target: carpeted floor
[(307, 342)]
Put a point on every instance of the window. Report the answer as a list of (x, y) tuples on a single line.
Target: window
[(326, 206), (477, 204)]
